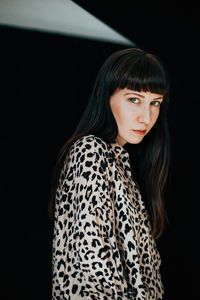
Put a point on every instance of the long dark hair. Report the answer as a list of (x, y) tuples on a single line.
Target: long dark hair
[(138, 70)]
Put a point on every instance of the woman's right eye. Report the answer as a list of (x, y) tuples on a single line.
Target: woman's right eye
[(134, 100)]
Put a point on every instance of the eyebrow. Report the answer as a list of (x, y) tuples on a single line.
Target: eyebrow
[(138, 94)]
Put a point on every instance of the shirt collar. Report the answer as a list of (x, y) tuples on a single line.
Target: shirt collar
[(118, 151)]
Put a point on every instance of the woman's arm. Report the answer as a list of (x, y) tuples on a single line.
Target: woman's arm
[(86, 258)]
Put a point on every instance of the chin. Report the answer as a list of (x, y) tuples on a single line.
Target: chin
[(135, 140)]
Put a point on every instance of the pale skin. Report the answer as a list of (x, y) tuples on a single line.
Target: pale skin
[(135, 113)]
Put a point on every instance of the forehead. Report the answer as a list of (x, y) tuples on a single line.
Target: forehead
[(142, 94)]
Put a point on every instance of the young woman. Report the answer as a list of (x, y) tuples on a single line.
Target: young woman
[(109, 186)]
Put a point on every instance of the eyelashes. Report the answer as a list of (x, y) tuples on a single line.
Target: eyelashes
[(136, 101), (156, 103)]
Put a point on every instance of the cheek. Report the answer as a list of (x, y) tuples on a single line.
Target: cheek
[(155, 117), (117, 112), (122, 116)]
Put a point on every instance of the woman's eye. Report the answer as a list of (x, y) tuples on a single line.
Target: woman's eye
[(155, 103), (134, 100)]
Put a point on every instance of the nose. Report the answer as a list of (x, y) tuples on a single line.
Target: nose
[(145, 115)]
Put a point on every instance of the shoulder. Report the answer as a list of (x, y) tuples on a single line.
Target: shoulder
[(88, 144), (88, 153), (87, 148)]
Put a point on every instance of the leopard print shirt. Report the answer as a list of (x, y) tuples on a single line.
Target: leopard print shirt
[(102, 242)]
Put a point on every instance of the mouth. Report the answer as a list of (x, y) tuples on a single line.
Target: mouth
[(140, 132)]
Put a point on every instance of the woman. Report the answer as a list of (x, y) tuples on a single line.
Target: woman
[(109, 186)]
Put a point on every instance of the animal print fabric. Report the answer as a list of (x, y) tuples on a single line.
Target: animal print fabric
[(102, 244)]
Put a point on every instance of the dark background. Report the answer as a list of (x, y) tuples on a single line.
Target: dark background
[(46, 82)]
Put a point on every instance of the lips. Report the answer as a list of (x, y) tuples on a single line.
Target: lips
[(140, 132)]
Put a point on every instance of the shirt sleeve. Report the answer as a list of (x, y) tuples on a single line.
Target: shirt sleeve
[(86, 258)]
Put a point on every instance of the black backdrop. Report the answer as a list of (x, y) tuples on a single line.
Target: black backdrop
[(46, 82)]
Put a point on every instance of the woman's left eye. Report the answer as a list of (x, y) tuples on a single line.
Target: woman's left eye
[(155, 103)]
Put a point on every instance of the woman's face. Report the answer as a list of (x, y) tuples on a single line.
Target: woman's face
[(135, 114)]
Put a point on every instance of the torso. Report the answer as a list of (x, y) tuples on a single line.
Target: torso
[(134, 256)]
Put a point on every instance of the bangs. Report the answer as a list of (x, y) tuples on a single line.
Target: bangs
[(146, 74)]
